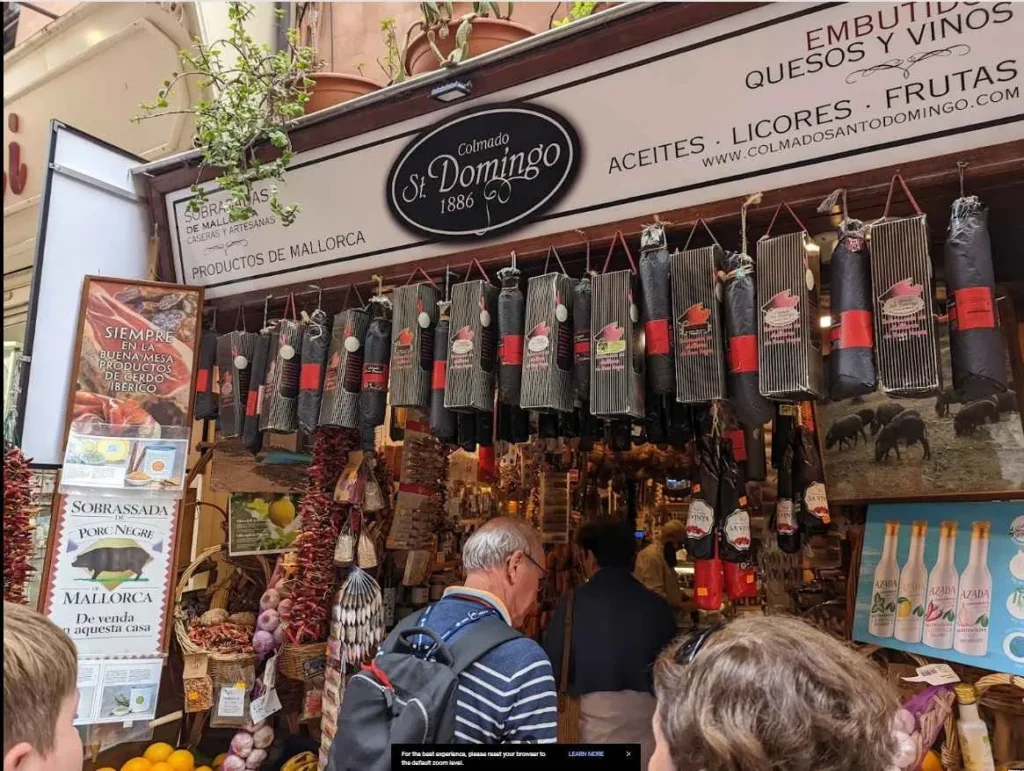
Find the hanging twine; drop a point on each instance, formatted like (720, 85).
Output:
(752, 200)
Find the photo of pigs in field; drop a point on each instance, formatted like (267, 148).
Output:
(879, 447)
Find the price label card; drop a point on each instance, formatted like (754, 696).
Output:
(934, 674)
(270, 673)
(265, 706)
(232, 701)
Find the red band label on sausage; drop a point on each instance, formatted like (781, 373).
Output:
(203, 380)
(375, 377)
(581, 346)
(251, 403)
(743, 354)
(510, 350)
(439, 378)
(658, 337)
(739, 444)
(974, 308)
(852, 329)
(309, 377)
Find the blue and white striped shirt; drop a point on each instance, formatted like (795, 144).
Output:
(509, 695)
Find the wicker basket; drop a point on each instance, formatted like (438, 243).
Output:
(292, 658)
(1002, 700)
(257, 568)
(893, 672)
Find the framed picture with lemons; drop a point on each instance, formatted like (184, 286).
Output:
(262, 523)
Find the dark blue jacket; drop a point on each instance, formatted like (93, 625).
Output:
(619, 628)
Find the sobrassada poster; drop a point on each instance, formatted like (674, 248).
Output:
(109, 581)
(131, 402)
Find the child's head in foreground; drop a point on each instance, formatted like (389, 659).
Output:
(40, 694)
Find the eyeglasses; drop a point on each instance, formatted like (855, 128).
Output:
(543, 572)
(693, 643)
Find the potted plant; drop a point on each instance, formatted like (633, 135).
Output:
(444, 41)
(577, 11)
(242, 131)
(329, 88)
(393, 65)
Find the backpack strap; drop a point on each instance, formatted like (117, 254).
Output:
(487, 634)
(409, 622)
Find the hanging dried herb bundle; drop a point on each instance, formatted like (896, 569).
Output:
(18, 527)
(321, 522)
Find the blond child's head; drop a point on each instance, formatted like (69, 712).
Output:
(40, 694)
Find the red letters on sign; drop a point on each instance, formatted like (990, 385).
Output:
(19, 171)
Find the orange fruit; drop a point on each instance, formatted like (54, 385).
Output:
(137, 764)
(931, 762)
(158, 752)
(204, 768)
(219, 760)
(181, 760)
(107, 768)
(162, 766)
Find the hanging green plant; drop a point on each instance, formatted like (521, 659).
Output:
(256, 94)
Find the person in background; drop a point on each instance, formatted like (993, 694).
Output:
(654, 571)
(40, 694)
(508, 695)
(618, 629)
(771, 692)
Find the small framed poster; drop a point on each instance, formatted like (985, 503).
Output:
(262, 523)
(130, 407)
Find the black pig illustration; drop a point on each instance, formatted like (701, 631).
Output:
(110, 555)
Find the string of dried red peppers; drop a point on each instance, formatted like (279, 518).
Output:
(321, 522)
(18, 510)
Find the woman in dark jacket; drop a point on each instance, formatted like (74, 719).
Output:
(618, 629)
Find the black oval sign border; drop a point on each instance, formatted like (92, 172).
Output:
(565, 184)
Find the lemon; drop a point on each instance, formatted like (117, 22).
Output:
(903, 609)
(204, 768)
(158, 752)
(137, 764)
(282, 512)
(181, 760)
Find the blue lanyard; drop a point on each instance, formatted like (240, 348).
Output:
(473, 615)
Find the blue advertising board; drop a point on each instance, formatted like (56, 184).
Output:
(945, 581)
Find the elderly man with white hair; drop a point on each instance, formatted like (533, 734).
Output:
(508, 695)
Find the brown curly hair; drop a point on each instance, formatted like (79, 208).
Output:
(773, 692)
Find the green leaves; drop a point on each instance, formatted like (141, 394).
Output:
(243, 129)
(982, 621)
(919, 611)
(949, 616)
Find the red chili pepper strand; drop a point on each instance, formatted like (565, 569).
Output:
(321, 518)
(18, 528)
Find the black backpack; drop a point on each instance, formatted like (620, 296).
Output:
(400, 698)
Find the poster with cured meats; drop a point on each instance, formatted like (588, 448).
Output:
(130, 410)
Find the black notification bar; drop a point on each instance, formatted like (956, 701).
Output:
(535, 757)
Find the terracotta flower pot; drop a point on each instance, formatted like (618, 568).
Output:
(487, 35)
(336, 87)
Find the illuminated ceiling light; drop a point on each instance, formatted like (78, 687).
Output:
(826, 322)
(94, 36)
(452, 91)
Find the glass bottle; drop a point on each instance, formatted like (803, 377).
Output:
(885, 586)
(974, 741)
(910, 604)
(940, 612)
(974, 598)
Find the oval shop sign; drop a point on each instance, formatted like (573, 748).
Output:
(483, 171)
